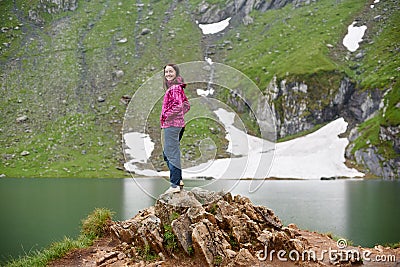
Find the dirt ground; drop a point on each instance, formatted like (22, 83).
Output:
(106, 251)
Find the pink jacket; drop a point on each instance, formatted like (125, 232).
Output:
(175, 106)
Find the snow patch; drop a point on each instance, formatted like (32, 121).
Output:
(316, 155)
(139, 150)
(213, 28)
(354, 37)
(207, 92)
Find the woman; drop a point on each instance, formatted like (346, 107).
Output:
(175, 106)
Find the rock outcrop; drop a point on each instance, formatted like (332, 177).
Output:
(51, 7)
(299, 106)
(209, 13)
(216, 227)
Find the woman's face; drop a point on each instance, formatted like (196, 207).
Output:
(169, 73)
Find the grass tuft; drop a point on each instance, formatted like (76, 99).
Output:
(93, 226)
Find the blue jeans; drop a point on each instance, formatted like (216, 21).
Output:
(172, 154)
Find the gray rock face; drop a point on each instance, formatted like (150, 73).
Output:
(296, 109)
(51, 7)
(240, 9)
(370, 157)
(299, 109)
(376, 164)
(213, 225)
(363, 104)
(56, 6)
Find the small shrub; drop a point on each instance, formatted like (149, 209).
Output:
(95, 224)
(392, 245)
(190, 251)
(146, 253)
(233, 242)
(169, 238)
(174, 215)
(218, 260)
(213, 209)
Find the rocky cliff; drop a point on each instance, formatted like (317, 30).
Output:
(300, 106)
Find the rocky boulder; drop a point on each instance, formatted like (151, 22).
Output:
(214, 226)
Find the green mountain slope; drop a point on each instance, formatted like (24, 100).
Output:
(64, 72)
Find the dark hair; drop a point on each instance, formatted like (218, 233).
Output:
(178, 79)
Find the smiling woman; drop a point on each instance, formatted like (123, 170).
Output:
(175, 106)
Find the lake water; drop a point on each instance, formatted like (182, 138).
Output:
(37, 212)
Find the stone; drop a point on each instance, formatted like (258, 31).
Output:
(209, 241)
(359, 55)
(23, 118)
(208, 13)
(145, 31)
(182, 229)
(122, 41)
(121, 256)
(106, 257)
(25, 153)
(297, 244)
(245, 258)
(265, 237)
(230, 253)
(118, 73)
(247, 20)
(125, 99)
(143, 230)
(205, 196)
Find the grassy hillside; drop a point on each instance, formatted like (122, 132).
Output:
(56, 73)
(65, 74)
(291, 41)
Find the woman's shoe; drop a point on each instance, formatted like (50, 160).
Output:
(172, 190)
